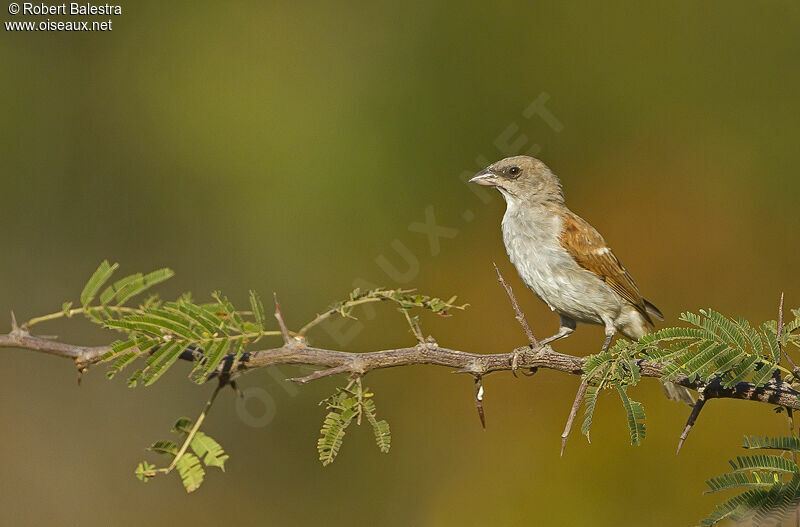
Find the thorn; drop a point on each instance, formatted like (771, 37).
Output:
(690, 422)
(779, 336)
(780, 321)
(14, 326)
(287, 337)
(320, 374)
(479, 400)
(518, 314)
(572, 413)
(235, 388)
(82, 369)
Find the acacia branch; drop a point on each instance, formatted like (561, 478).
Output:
(429, 353)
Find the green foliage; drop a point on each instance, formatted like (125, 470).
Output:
(203, 451)
(346, 405)
(787, 443)
(769, 484)
(635, 415)
(713, 348)
(163, 331)
(716, 347)
(145, 471)
(618, 368)
(589, 401)
(406, 300)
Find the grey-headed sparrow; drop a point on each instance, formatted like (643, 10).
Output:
(564, 260)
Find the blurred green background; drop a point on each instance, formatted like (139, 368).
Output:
(288, 146)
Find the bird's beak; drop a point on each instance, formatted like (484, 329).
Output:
(485, 178)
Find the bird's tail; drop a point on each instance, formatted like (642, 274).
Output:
(676, 392)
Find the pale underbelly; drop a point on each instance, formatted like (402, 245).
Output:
(565, 287)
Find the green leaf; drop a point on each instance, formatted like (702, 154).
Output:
(160, 361)
(764, 462)
(635, 414)
(120, 363)
(191, 471)
(589, 402)
(165, 447)
(233, 317)
(741, 371)
(383, 436)
(787, 443)
(763, 374)
(145, 471)
(213, 353)
(333, 430)
(258, 310)
(771, 337)
(100, 277)
(200, 316)
(737, 480)
(209, 450)
(182, 425)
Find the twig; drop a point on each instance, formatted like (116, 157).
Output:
(479, 400)
(195, 428)
(520, 316)
(320, 374)
(572, 413)
(300, 353)
(790, 418)
(287, 337)
(779, 336)
(698, 405)
(517, 311)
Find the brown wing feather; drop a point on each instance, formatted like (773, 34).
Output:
(591, 252)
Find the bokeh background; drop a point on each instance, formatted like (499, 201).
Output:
(288, 146)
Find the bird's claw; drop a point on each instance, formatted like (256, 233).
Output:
(514, 363)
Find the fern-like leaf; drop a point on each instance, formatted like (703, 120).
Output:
(383, 436)
(209, 450)
(589, 402)
(787, 443)
(635, 414)
(258, 310)
(191, 471)
(764, 462)
(333, 430)
(96, 281)
(738, 480)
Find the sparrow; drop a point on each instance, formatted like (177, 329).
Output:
(564, 260)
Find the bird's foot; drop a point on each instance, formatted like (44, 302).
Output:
(515, 361)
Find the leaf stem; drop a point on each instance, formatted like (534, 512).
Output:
(74, 311)
(327, 314)
(193, 431)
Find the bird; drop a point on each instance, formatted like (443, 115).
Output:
(564, 261)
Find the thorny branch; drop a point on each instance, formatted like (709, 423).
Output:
(532, 356)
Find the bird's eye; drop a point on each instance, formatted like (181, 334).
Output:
(513, 171)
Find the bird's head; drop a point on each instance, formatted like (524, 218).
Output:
(521, 179)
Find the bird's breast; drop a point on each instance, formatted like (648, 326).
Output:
(533, 246)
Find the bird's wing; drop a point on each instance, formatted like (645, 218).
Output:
(591, 252)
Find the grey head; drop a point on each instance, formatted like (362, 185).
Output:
(522, 179)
